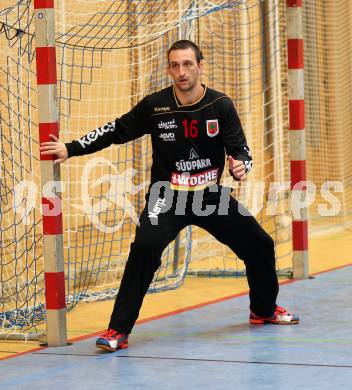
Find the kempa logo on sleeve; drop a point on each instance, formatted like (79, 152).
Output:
(248, 165)
(93, 135)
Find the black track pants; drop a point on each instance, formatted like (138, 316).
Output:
(241, 233)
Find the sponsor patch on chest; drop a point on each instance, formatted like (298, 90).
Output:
(167, 136)
(167, 125)
(199, 163)
(187, 182)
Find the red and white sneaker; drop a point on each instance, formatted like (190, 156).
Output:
(280, 317)
(112, 341)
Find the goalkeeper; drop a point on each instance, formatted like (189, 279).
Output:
(191, 128)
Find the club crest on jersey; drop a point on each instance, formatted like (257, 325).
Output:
(212, 127)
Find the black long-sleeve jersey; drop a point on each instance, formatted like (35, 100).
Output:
(189, 141)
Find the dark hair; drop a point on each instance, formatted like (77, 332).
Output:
(186, 44)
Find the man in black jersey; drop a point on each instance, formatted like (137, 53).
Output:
(191, 127)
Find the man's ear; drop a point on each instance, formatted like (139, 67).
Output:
(201, 66)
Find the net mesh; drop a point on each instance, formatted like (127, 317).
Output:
(110, 55)
(328, 77)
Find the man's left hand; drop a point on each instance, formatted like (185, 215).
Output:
(237, 168)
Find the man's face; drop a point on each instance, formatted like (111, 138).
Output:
(184, 69)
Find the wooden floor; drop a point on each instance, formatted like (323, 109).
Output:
(326, 252)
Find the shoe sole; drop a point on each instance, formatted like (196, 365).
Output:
(262, 322)
(109, 349)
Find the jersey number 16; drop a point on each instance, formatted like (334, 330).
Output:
(191, 128)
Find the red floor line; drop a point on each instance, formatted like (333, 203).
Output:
(22, 353)
(174, 312)
(170, 313)
(332, 269)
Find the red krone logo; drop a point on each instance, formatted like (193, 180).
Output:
(212, 127)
